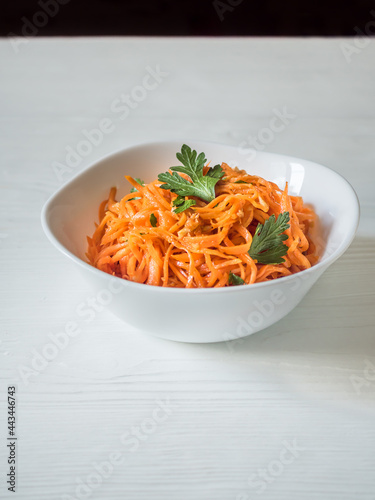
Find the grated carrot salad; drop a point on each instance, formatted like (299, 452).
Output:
(201, 246)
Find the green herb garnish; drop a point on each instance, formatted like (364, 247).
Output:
(267, 246)
(201, 186)
(142, 183)
(134, 190)
(153, 220)
(235, 280)
(181, 204)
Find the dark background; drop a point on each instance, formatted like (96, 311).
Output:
(189, 18)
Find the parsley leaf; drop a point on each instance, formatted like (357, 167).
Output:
(201, 186)
(181, 204)
(142, 183)
(235, 280)
(267, 246)
(134, 190)
(153, 220)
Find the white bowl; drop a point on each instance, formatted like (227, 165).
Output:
(200, 315)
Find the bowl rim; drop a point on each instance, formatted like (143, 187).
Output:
(319, 266)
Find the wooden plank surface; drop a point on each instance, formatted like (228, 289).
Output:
(285, 414)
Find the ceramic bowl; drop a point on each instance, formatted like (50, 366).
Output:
(200, 315)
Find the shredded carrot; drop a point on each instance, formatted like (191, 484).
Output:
(201, 246)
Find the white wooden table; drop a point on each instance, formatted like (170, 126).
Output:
(286, 414)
